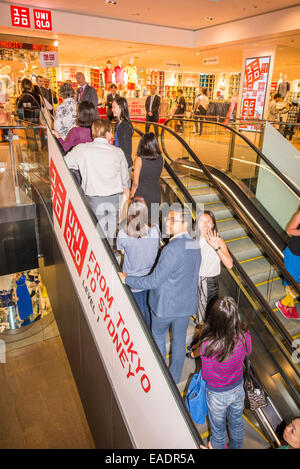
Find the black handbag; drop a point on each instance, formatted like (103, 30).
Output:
(255, 396)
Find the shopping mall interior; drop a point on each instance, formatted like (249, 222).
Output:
(91, 366)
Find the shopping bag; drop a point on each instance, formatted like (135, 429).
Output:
(255, 396)
(196, 400)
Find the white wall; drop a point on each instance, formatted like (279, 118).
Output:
(83, 25)
(270, 23)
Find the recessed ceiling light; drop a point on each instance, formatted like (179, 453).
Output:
(208, 18)
(110, 2)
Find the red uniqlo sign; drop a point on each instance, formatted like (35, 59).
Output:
(75, 238)
(20, 16)
(252, 72)
(42, 19)
(58, 193)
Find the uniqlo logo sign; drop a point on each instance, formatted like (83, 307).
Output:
(58, 193)
(42, 19)
(20, 16)
(252, 72)
(75, 238)
(248, 107)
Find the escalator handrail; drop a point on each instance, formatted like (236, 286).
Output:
(241, 271)
(165, 370)
(253, 147)
(206, 171)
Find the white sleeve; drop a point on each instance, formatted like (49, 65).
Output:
(72, 157)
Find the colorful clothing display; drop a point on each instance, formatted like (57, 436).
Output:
(24, 300)
(119, 74)
(108, 75)
(131, 73)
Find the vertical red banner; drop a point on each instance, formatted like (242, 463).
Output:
(20, 16)
(252, 72)
(75, 238)
(58, 193)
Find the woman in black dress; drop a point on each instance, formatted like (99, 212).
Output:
(124, 129)
(148, 166)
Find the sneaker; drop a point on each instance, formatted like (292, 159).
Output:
(287, 311)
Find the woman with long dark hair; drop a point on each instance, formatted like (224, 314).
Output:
(124, 129)
(213, 252)
(139, 242)
(82, 132)
(148, 166)
(223, 344)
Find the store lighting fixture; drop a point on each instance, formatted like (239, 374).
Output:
(110, 2)
(55, 43)
(208, 18)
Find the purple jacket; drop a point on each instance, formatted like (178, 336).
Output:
(75, 136)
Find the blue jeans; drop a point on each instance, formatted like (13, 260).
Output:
(218, 405)
(141, 297)
(160, 327)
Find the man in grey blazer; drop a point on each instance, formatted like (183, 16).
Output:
(86, 92)
(173, 288)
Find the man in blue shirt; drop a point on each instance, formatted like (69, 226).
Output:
(173, 289)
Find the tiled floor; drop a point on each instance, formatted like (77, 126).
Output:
(39, 403)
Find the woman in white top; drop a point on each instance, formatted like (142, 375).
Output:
(213, 252)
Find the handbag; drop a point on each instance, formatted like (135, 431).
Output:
(255, 396)
(196, 400)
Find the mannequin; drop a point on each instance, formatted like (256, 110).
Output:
(108, 72)
(119, 74)
(222, 87)
(131, 78)
(284, 88)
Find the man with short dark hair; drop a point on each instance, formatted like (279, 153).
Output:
(48, 95)
(181, 108)
(173, 286)
(109, 100)
(104, 171)
(152, 109)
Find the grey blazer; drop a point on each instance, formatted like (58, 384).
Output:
(89, 94)
(173, 284)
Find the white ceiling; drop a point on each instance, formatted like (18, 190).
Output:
(82, 50)
(188, 14)
(95, 52)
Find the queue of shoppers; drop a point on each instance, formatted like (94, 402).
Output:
(172, 283)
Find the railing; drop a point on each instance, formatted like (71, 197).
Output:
(260, 314)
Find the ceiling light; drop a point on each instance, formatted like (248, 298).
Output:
(208, 18)
(110, 2)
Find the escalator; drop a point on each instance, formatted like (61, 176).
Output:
(257, 266)
(241, 188)
(271, 342)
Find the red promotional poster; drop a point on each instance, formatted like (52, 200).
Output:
(75, 238)
(58, 193)
(20, 16)
(252, 72)
(254, 90)
(248, 108)
(42, 19)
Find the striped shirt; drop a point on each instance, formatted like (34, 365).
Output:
(226, 375)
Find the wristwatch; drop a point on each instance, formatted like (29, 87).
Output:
(217, 249)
